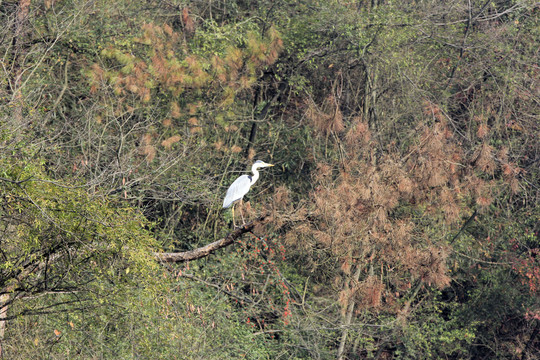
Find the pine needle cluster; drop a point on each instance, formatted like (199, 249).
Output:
(160, 68)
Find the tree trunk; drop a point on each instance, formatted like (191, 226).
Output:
(348, 314)
(4, 298)
(19, 33)
(261, 116)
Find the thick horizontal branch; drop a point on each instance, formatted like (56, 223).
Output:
(210, 248)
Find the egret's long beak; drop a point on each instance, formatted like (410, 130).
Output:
(267, 164)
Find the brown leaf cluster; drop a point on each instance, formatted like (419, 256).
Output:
(427, 264)
(187, 20)
(147, 148)
(170, 66)
(484, 159)
(371, 207)
(286, 210)
(433, 110)
(370, 293)
(328, 118)
(169, 142)
(358, 133)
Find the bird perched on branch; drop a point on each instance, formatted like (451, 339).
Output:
(241, 186)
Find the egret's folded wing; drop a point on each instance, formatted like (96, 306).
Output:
(237, 190)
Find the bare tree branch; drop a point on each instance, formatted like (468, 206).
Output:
(212, 247)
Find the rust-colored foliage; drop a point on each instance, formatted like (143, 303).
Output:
(147, 148)
(528, 268)
(189, 24)
(161, 68)
(167, 143)
(371, 211)
(328, 118)
(370, 293)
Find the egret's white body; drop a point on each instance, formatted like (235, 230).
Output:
(241, 186)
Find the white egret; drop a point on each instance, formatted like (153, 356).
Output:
(241, 186)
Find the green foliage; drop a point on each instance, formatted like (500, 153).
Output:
(64, 250)
(437, 335)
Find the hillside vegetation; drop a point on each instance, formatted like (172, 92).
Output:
(400, 220)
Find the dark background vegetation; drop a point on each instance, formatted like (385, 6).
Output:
(401, 218)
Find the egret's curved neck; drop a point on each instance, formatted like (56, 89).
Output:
(255, 176)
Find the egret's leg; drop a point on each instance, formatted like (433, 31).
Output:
(242, 212)
(234, 225)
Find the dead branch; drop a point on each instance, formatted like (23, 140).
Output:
(212, 247)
